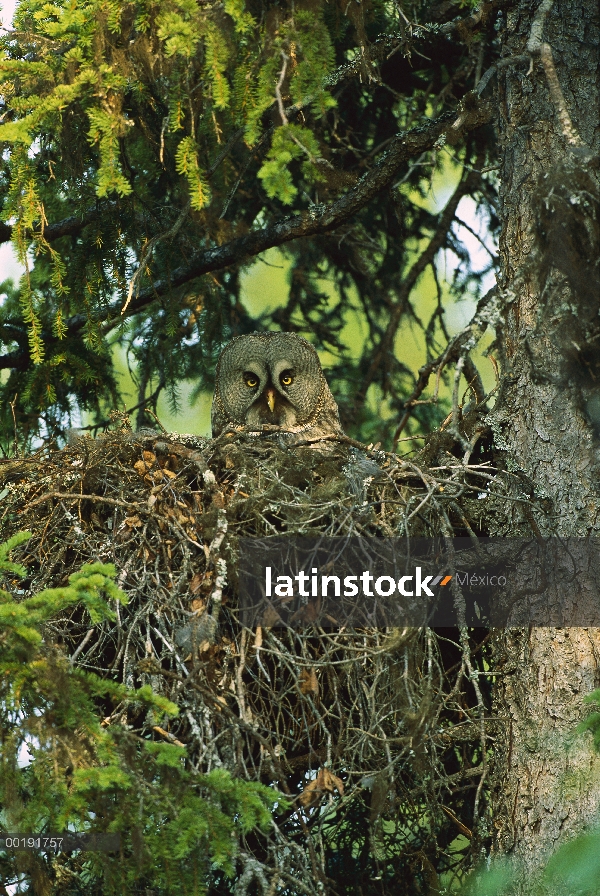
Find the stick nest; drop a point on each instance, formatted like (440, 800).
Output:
(376, 735)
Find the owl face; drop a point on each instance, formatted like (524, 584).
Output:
(270, 378)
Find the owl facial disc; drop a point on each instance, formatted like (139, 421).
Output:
(272, 379)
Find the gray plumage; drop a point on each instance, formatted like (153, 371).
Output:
(273, 380)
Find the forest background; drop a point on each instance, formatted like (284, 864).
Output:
(264, 290)
(150, 154)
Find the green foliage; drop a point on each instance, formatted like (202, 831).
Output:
(301, 52)
(494, 881)
(90, 771)
(186, 162)
(105, 129)
(6, 565)
(574, 869)
(150, 132)
(289, 143)
(592, 722)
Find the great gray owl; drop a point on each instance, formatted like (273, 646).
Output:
(273, 379)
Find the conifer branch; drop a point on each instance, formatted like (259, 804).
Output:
(381, 48)
(318, 218)
(18, 360)
(68, 226)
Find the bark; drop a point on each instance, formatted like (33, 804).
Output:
(548, 780)
(67, 227)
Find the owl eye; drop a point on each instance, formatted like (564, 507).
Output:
(286, 379)
(251, 380)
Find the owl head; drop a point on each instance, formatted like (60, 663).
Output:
(274, 379)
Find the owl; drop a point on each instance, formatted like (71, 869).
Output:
(273, 379)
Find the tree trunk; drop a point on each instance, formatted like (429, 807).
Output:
(547, 780)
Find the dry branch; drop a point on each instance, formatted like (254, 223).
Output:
(336, 719)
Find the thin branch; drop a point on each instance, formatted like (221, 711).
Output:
(567, 127)
(479, 16)
(66, 227)
(319, 218)
(146, 254)
(477, 237)
(534, 42)
(426, 258)
(459, 345)
(81, 646)
(278, 87)
(487, 76)
(536, 47)
(100, 499)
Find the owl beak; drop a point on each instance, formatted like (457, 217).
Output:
(271, 399)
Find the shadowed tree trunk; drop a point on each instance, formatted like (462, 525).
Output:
(548, 785)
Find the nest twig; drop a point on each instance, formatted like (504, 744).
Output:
(374, 734)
